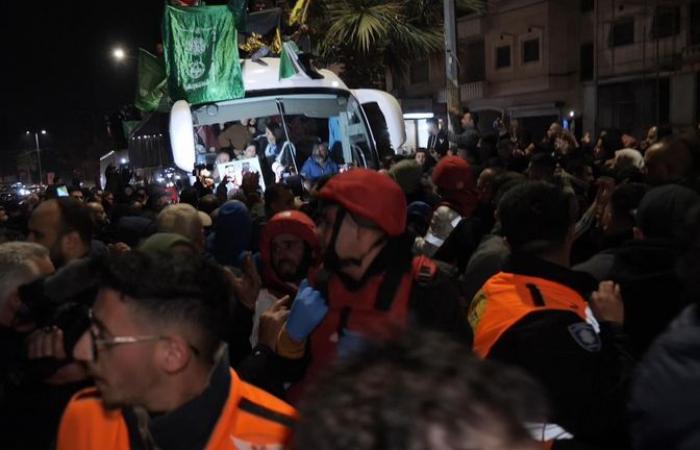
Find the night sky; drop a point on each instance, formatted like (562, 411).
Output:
(58, 72)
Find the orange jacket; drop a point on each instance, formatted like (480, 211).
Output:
(506, 298)
(251, 418)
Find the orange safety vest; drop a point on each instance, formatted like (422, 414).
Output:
(251, 418)
(506, 298)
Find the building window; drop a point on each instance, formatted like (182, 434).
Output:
(667, 21)
(587, 5)
(420, 72)
(695, 23)
(586, 68)
(622, 33)
(503, 57)
(472, 62)
(531, 51)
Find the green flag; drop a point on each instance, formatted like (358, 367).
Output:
(289, 60)
(201, 54)
(152, 83)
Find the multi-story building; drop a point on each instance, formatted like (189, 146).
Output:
(625, 64)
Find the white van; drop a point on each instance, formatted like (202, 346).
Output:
(360, 125)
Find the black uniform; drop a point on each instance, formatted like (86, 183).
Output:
(587, 381)
(664, 409)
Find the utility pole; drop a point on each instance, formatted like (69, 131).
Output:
(38, 152)
(452, 96)
(38, 157)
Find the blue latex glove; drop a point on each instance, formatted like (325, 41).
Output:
(308, 310)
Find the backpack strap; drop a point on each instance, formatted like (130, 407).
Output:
(424, 269)
(388, 288)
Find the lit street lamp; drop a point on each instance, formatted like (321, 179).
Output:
(119, 54)
(38, 151)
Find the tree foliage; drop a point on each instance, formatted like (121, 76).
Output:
(370, 36)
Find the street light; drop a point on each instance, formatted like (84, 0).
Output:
(38, 151)
(119, 54)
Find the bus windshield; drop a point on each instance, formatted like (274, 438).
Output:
(281, 130)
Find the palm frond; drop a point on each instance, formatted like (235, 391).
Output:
(418, 41)
(361, 23)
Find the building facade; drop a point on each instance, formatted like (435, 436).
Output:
(597, 64)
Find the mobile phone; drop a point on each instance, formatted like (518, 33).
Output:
(62, 191)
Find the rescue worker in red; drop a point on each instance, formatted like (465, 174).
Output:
(369, 286)
(536, 314)
(454, 231)
(154, 349)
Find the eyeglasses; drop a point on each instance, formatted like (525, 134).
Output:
(98, 341)
(106, 343)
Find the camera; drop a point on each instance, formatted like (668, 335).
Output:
(62, 300)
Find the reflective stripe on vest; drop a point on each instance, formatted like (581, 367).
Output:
(506, 298)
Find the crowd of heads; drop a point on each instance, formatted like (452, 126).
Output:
(170, 267)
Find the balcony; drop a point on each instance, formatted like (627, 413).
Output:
(472, 91)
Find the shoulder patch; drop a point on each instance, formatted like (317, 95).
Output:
(585, 336)
(266, 413)
(476, 309)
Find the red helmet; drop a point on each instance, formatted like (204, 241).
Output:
(295, 223)
(453, 173)
(370, 195)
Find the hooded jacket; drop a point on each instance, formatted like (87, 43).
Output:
(287, 222)
(233, 230)
(665, 396)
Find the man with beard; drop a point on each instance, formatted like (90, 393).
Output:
(64, 227)
(289, 249)
(155, 350)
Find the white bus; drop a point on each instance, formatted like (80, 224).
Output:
(360, 125)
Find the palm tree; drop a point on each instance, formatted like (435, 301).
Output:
(371, 35)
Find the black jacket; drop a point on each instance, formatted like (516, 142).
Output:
(30, 410)
(461, 244)
(587, 385)
(664, 411)
(651, 290)
(467, 138)
(486, 261)
(439, 143)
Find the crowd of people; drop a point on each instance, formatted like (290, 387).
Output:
(489, 291)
